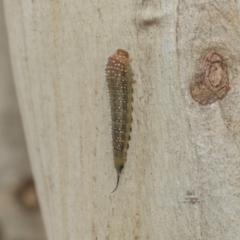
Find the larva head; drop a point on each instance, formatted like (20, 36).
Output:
(116, 65)
(121, 56)
(122, 52)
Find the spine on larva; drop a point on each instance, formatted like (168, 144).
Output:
(119, 81)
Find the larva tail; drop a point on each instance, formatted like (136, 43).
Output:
(118, 177)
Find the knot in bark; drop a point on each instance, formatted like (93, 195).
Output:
(213, 83)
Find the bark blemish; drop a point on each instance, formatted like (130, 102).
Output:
(27, 195)
(213, 83)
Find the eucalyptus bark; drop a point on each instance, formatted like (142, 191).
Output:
(181, 178)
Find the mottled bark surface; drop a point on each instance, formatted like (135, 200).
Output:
(181, 180)
(19, 213)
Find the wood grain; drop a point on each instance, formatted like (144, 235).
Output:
(18, 219)
(183, 178)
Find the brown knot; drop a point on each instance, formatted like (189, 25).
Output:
(213, 83)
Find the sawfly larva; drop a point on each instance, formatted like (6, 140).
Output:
(119, 80)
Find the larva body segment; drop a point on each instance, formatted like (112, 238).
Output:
(119, 80)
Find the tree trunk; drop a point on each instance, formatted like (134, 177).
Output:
(181, 178)
(19, 213)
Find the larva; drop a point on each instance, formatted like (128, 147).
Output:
(119, 80)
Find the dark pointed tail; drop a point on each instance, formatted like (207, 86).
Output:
(118, 177)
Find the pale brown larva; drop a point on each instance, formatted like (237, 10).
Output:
(119, 80)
